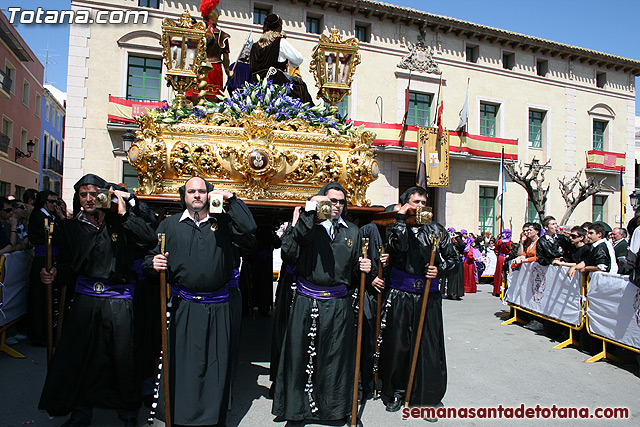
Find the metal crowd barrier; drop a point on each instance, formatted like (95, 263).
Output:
(606, 305)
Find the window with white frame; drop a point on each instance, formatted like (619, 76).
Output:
(599, 131)
(26, 89)
(47, 110)
(23, 140)
(536, 128)
(7, 130)
(489, 119)
(10, 72)
(38, 104)
(36, 148)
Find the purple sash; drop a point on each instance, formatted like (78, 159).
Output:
(291, 269)
(234, 282)
(310, 290)
(221, 295)
(404, 281)
(41, 250)
(103, 288)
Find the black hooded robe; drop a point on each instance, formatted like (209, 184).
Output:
(201, 259)
(93, 364)
(328, 263)
(410, 252)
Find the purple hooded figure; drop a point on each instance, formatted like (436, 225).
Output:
(451, 230)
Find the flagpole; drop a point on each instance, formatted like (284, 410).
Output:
(623, 201)
(501, 188)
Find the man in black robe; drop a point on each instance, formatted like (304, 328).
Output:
(93, 365)
(410, 251)
(316, 366)
(200, 260)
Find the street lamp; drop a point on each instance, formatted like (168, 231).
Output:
(634, 198)
(29, 152)
(333, 66)
(183, 50)
(127, 140)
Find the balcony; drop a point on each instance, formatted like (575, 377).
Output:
(53, 165)
(4, 142)
(605, 161)
(5, 85)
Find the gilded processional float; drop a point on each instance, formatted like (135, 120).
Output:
(257, 141)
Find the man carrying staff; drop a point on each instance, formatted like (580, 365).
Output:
(316, 366)
(93, 365)
(199, 261)
(410, 251)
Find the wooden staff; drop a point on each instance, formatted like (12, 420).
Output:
(165, 341)
(378, 320)
(48, 230)
(423, 311)
(354, 401)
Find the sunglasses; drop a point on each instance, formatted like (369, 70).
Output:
(338, 201)
(53, 202)
(574, 236)
(21, 207)
(84, 194)
(8, 210)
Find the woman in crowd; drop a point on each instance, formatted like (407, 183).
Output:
(469, 267)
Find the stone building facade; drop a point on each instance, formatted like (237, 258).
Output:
(549, 101)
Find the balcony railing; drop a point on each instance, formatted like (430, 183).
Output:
(4, 142)
(5, 81)
(54, 165)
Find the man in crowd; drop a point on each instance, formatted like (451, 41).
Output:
(620, 246)
(199, 260)
(316, 366)
(410, 250)
(5, 227)
(47, 207)
(93, 364)
(579, 250)
(601, 257)
(552, 245)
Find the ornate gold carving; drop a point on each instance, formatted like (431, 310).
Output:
(316, 167)
(200, 160)
(360, 167)
(254, 156)
(148, 155)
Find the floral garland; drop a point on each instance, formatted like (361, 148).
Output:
(273, 99)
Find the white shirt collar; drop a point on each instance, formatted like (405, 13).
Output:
(46, 212)
(186, 215)
(327, 224)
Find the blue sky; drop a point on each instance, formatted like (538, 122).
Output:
(609, 26)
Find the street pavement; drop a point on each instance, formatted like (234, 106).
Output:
(489, 364)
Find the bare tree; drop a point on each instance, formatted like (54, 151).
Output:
(532, 180)
(585, 190)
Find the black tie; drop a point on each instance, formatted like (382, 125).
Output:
(334, 228)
